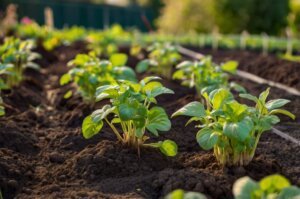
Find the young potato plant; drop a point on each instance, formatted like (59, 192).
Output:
(132, 111)
(273, 186)
(181, 194)
(90, 72)
(232, 129)
(162, 58)
(206, 76)
(15, 57)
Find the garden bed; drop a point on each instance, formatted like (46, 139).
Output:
(43, 154)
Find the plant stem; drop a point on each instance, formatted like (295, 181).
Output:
(114, 130)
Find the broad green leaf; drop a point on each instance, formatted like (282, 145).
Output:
(158, 120)
(125, 73)
(238, 130)
(274, 182)
(159, 91)
(207, 138)
(230, 66)
(284, 112)
(249, 97)
(149, 79)
(102, 113)
(237, 87)
(220, 97)
(2, 111)
(193, 109)
(264, 95)
(177, 194)
(277, 103)
(126, 112)
(291, 192)
(267, 122)
(180, 194)
(68, 94)
(66, 78)
(90, 128)
(184, 64)
(179, 74)
(244, 188)
(144, 65)
(235, 110)
(169, 148)
(118, 59)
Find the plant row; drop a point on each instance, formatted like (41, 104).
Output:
(51, 38)
(230, 128)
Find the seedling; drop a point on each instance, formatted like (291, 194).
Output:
(181, 194)
(232, 129)
(15, 57)
(131, 107)
(206, 76)
(90, 72)
(162, 58)
(273, 186)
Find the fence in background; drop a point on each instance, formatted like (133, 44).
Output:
(67, 13)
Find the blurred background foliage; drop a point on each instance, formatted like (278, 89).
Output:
(272, 17)
(229, 16)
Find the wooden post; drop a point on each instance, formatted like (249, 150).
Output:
(289, 44)
(243, 40)
(215, 38)
(265, 44)
(49, 22)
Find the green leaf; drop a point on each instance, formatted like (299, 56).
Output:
(284, 112)
(68, 94)
(238, 130)
(193, 109)
(118, 59)
(266, 122)
(277, 103)
(159, 91)
(168, 147)
(102, 113)
(207, 138)
(149, 79)
(249, 97)
(66, 78)
(274, 182)
(291, 192)
(184, 64)
(90, 128)
(125, 73)
(230, 66)
(144, 65)
(220, 97)
(126, 112)
(264, 95)
(2, 111)
(244, 188)
(177, 194)
(158, 120)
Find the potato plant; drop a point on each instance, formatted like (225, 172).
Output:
(206, 76)
(90, 72)
(233, 129)
(130, 106)
(15, 57)
(273, 186)
(162, 58)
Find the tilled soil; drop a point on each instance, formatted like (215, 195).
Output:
(43, 154)
(270, 67)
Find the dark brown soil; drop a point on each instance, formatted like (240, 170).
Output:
(269, 67)
(43, 154)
